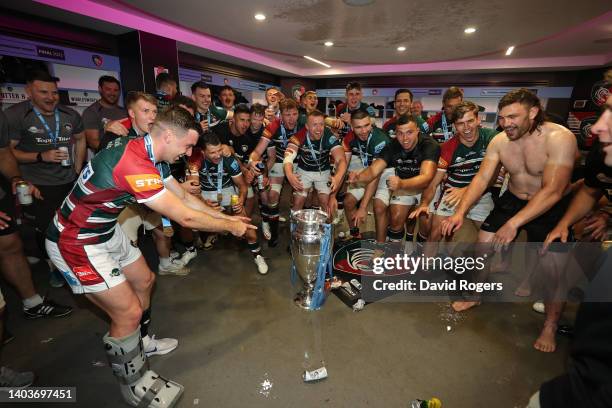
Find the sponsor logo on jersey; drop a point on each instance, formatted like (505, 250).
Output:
(34, 129)
(145, 182)
(378, 148)
(86, 275)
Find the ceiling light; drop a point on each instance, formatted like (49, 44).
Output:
(260, 17)
(328, 43)
(470, 30)
(509, 50)
(317, 61)
(401, 48)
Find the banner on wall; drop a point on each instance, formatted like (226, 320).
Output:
(17, 47)
(82, 98)
(190, 76)
(12, 93)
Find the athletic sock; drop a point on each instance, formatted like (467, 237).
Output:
(165, 261)
(255, 248)
(421, 238)
(32, 301)
(409, 236)
(395, 236)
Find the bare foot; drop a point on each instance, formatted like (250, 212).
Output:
(524, 289)
(547, 343)
(461, 305)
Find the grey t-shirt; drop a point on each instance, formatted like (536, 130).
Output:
(96, 116)
(32, 136)
(4, 142)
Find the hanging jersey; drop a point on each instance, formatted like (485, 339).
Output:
(460, 162)
(122, 174)
(313, 155)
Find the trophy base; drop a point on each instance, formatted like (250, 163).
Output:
(303, 300)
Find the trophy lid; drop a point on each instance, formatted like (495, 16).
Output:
(310, 216)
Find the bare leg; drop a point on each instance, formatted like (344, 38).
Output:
(14, 266)
(482, 248)
(381, 219)
(123, 307)
(350, 206)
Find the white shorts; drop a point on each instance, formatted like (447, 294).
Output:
(479, 211)
(227, 192)
(356, 190)
(277, 170)
(399, 197)
(93, 268)
(135, 216)
(313, 179)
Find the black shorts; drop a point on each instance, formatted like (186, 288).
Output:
(7, 205)
(537, 229)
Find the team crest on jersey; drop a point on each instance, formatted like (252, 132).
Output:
(68, 127)
(245, 148)
(115, 272)
(145, 182)
(34, 129)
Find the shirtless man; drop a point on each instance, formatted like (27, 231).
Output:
(539, 156)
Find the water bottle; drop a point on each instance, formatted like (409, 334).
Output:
(260, 178)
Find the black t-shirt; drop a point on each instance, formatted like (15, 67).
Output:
(408, 163)
(597, 174)
(242, 145)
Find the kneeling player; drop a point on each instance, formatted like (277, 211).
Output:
(220, 178)
(414, 157)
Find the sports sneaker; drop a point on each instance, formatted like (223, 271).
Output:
(209, 242)
(153, 346)
(47, 308)
(174, 254)
(17, 379)
(265, 230)
(262, 266)
(188, 255)
(176, 267)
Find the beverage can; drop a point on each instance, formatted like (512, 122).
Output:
(220, 198)
(24, 195)
(315, 375)
(66, 162)
(235, 199)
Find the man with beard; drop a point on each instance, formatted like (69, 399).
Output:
(539, 157)
(101, 112)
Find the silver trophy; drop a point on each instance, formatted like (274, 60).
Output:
(307, 240)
